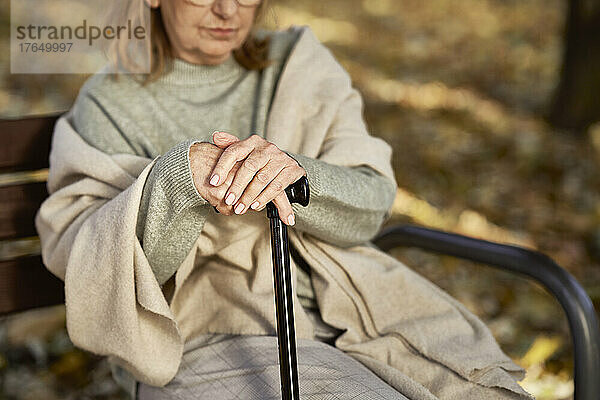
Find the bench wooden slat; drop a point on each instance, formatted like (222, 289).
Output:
(26, 143)
(18, 206)
(25, 283)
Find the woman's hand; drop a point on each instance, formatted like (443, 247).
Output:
(264, 173)
(203, 158)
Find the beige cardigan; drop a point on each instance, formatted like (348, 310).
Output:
(115, 307)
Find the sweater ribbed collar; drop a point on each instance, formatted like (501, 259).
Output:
(181, 72)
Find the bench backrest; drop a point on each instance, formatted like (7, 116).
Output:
(24, 281)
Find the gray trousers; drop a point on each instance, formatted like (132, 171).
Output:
(228, 367)
(247, 367)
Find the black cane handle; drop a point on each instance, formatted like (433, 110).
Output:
(299, 192)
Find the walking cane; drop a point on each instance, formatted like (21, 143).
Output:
(299, 193)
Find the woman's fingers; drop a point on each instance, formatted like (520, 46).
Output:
(224, 139)
(254, 175)
(275, 188)
(217, 193)
(284, 208)
(233, 153)
(257, 184)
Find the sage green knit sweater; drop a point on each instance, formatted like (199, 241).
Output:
(164, 118)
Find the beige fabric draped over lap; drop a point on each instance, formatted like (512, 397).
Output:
(116, 308)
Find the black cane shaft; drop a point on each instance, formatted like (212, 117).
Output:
(284, 309)
(299, 193)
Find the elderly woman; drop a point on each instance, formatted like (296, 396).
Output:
(158, 230)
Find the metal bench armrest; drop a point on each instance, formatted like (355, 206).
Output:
(583, 321)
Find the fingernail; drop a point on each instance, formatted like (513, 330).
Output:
(291, 220)
(230, 199)
(255, 205)
(214, 180)
(239, 208)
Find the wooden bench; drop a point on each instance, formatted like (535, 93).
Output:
(25, 283)
(24, 147)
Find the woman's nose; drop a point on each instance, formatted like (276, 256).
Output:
(225, 8)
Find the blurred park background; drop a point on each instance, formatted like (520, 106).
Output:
(489, 106)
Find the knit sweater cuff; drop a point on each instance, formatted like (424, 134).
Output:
(174, 175)
(335, 182)
(347, 205)
(172, 212)
(314, 171)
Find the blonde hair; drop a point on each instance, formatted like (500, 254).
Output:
(157, 53)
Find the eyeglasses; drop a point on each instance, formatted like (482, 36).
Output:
(244, 3)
